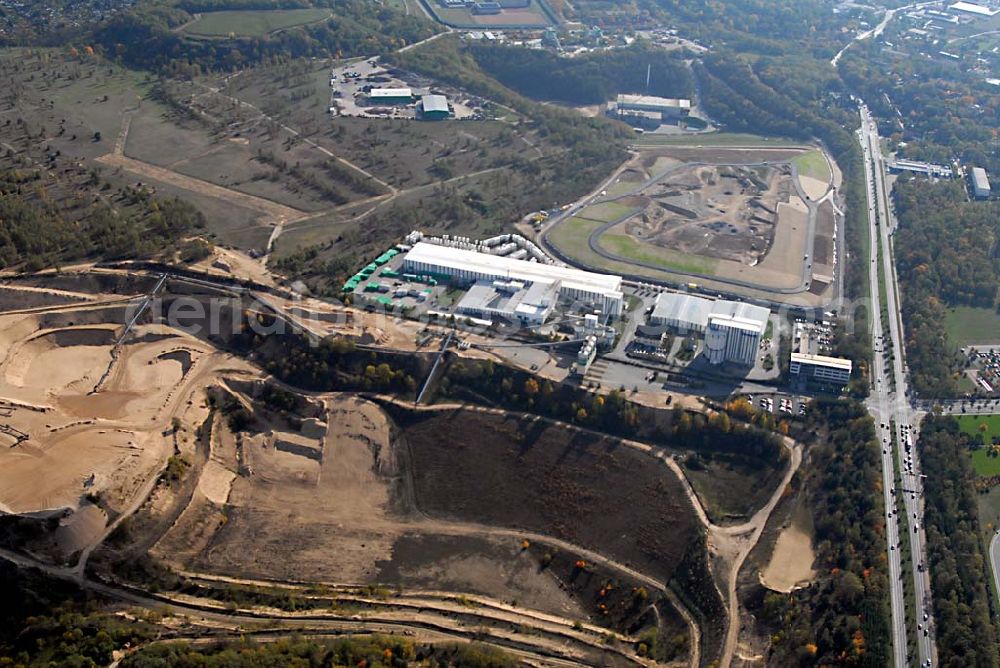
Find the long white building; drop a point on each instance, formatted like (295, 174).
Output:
(732, 330)
(468, 266)
(667, 106)
(980, 183)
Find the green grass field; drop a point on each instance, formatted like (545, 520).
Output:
(570, 236)
(967, 325)
(626, 246)
(713, 139)
(813, 164)
(252, 22)
(970, 424)
(606, 211)
(982, 462)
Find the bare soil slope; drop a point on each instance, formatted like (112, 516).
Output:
(521, 473)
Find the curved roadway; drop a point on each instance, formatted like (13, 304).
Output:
(593, 240)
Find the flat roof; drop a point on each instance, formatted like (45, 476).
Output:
(692, 309)
(390, 92)
(979, 178)
(682, 307)
(973, 8)
(822, 360)
(736, 322)
(652, 100)
(459, 258)
(434, 103)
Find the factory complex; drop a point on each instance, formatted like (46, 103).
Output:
(732, 330)
(648, 110)
(510, 274)
(506, 285)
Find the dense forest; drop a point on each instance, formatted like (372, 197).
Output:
(38, 231)
(960, 582)
(46, 622)
(145, 37)
(945, 257)
(843, 618)
(587, 79)
(948, 110)
(752, 26)
(369, 651)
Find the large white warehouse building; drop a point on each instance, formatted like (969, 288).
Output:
(468, 266)
(732, 330)
(980, 183)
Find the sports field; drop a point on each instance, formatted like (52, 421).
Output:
(252, 22)
(531, 16)
(968, 325)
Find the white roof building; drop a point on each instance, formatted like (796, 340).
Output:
(689, 312)
(389, 93)
(666, 106)
(470, 266)
(733, 330)
(972, 8)
(434, 103)
(681, 311)
(980, 183)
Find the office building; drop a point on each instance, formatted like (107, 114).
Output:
(822, 369)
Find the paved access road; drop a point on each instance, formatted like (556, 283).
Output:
(892, 410)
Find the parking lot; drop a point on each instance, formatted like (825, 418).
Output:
(781, 405)
(984, 369)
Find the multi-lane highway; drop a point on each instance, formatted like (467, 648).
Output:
(891, 408)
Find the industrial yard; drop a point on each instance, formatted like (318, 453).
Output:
(366, 89)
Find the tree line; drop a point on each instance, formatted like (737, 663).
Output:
(39, 232)
(843, 617)
(592, 78)
(945, 257)
(964, 622)
(146, 36)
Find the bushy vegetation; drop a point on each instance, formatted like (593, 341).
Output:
(611, 413)
(587, 79)
(965, 627)
(372, 651)
(843, 617)
(145, 37)
(944, 254)
(46, 622)
(39, 231)
(950, 112)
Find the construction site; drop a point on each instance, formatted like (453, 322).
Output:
(138, 443)
(750, 221)
(722, 212)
